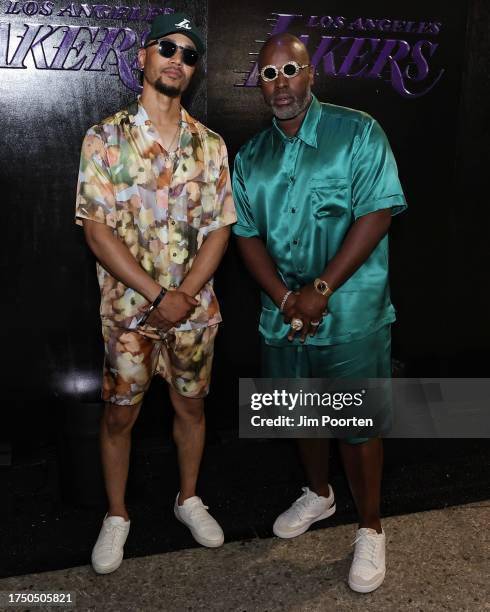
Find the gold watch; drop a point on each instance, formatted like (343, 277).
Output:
(322, 287)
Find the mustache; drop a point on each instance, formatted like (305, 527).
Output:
(282, 94)
(178, 70)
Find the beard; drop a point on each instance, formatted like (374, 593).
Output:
(167, 90)
(298, 105)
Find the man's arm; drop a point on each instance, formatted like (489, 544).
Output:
(217, 229)
(376, 196)
(117, 259)
(261, 266)
(251, 246)
(360, 241)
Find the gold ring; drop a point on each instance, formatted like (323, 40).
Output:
(297, 324)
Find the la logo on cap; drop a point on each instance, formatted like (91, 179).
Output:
(185, 24)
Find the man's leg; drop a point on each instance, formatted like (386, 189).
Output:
(189, 432)
(294, 362)
(185, 363)
(363, 465)
(314, 458)
(115, 444)
(130, 359)
(369, 357)
(317, 501)
(128, 367)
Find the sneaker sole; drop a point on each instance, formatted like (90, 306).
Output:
(106, 569)
(199, 539)
(358, 588)
(300, 530)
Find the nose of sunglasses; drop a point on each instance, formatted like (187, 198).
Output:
(169, 49)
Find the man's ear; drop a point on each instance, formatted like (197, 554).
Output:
(141, 58)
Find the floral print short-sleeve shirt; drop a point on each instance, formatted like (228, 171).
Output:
(162, 207)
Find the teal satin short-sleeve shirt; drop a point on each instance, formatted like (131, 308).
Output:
(301, 195)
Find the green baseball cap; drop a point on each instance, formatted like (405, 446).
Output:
(176, 23)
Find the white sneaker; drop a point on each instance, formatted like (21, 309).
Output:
(107, 554)
(368, 567)
(305, 511)
(195, 515)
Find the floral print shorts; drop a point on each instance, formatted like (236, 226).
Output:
(182, 358)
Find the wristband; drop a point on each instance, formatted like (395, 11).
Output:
(284, 300)
(152, 307)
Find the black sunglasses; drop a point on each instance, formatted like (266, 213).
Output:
(168, 48)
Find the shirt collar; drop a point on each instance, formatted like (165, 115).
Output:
(308, 130)
(139, 118)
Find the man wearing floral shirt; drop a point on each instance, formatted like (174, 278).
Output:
(155, 202)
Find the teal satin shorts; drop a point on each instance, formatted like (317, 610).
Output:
(369, 357)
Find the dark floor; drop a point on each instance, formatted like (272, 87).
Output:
(246, 483)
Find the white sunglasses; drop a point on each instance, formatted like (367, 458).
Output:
(289, 70)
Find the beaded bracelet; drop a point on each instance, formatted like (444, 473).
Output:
(284, 300)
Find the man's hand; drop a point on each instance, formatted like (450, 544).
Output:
(289, 308)
(307, 305)
(175, 308)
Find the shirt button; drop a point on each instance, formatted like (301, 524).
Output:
(173, 285)
(291, 179)
(172, 222)
(293, 210)
(295, 242)
(174, 254)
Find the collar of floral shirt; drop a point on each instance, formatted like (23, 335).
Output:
(139, 118)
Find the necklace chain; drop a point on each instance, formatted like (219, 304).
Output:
(171, 153)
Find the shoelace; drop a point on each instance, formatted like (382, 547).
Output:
(199, 511)
(115, 532)
(301, 505)
(366, 549)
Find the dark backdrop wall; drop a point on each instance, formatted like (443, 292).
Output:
(419, 68)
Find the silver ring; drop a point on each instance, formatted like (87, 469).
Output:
(315, 323)
(297, 324)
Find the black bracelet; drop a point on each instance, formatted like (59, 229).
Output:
(152, 307)
(159, 298)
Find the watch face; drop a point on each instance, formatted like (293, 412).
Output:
(322, 287)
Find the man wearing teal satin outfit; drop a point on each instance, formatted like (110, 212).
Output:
(315, 194)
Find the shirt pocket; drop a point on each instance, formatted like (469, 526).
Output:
(190, 202)
(330, 197)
